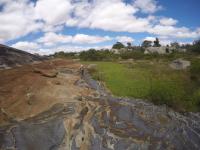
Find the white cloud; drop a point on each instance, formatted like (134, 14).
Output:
(185, 43)
(22, 17)
(149, 38)
(172, 31)
(120, 17)
(69, 48)
(168, 21)
(27, 46)
(16, 20)
(53, 12)
(51, 38)
(147, 6)
(112, 15)
(89, 39)
(163, 40)
(51, 28)
(124, 39)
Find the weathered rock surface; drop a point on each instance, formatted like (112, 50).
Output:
(11, 57)
(84, 116)
(158, 50)
(46, 73)
(180, 64)
(92, 67)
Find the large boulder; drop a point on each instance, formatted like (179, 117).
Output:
(92, 67)
(46, 73)
(115, 51)
(180, 64)
(158, 50)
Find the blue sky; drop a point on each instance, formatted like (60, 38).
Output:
(47, 26)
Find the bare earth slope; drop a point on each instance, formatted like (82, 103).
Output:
(48, 106)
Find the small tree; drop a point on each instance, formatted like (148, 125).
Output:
(157, 43)
(129, 45)
(146, 43)
(118, 45)
(175, 45)
(167, 49)
(196, 46)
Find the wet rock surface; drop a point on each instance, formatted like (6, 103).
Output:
(100, 121)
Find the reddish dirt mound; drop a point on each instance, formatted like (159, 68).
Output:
(25, 92)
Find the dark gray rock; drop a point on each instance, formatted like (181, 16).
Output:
(11, 57)
(44, 136)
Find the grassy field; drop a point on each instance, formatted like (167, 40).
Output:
(150, 79)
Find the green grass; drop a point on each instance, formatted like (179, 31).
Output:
(152, 80)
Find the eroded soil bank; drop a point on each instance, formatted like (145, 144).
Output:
(49, 106)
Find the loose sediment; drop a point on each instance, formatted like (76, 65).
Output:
(100, 121)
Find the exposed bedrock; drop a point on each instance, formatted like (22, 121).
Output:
(99, 121)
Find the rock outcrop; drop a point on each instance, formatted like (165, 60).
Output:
(11, 57)
(158, 50)
(180, 64)
(78, 113)
(46, 73)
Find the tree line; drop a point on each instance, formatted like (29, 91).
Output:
(128, 51)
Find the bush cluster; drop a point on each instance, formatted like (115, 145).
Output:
(195, 72)
(97, 55)
(195, 47)
(62, 54)
(166, 93)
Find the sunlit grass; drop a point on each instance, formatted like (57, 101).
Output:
(146, 79)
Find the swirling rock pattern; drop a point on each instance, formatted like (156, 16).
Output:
(88, 117)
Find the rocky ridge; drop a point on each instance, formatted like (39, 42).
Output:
(11, 57)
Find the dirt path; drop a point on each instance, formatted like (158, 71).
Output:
(48, 106)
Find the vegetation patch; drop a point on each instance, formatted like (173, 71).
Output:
(162, 74)
(152, 80)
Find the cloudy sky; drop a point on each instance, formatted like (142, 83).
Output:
(47, 26)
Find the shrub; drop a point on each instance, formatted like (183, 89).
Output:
(195, 71)
(146, 43)
(196, 46)
(97, 75)
(196, 99)
(132, 54)
(153, 56)
(97, 55)
(166, 93)
(118, 45)
(195, 67)
(159, 94)
(91, 55)
(65, 54)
